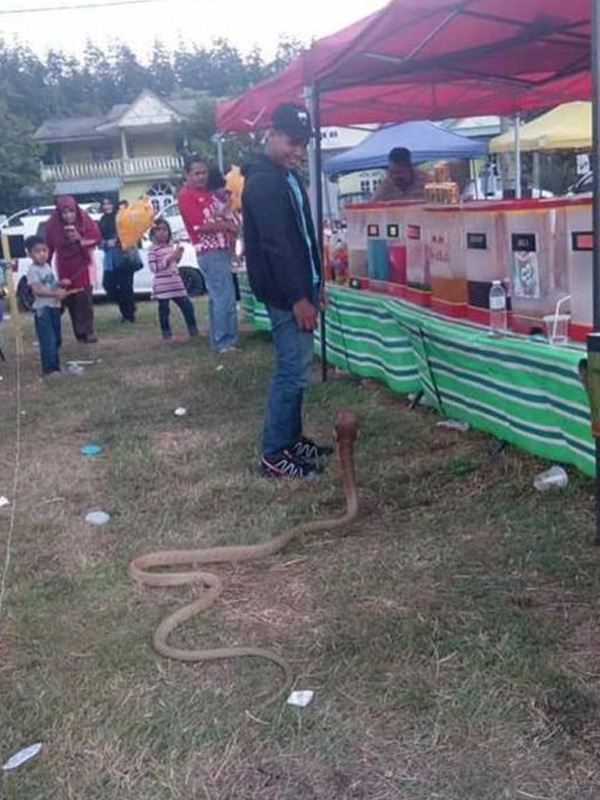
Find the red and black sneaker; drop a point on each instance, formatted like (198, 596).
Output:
(308, 450)
(285, 465)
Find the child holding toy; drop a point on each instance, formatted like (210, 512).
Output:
(163, 259)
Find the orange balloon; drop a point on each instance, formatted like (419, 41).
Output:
(133, 222)
(234, 182)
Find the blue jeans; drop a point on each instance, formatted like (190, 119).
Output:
(186, 307)
(222, 313)
(293, 358)
(47, 328)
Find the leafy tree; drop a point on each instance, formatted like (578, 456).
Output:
(255, 68)
(198, 130)
(19, 160)
(227, 73)
(191, 68)
(33, 90)
(100, 70)
(22, 81)
(131, 78)
(288, 49)
(162, 75)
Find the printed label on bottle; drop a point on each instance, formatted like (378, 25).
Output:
(497, 303)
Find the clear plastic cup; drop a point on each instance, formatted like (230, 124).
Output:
(557, 327)
(554, 478)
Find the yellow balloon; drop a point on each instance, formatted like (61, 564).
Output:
(234, 182)
(133, 222)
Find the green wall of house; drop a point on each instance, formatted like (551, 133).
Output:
(134, 190)
(140, 145)
(77, 152)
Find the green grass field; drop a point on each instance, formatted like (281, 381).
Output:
(451, 636)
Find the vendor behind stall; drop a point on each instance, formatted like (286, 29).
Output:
(403, 181)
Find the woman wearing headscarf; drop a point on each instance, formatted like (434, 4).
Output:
(71, 235)
(110, 243)
(118, 269)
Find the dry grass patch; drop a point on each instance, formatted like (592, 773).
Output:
(449, 635)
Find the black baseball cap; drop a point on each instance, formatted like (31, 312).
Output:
(294, 121)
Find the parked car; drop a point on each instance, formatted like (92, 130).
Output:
(31, 221)
(188, 266)
(584, 185)
(27, 223)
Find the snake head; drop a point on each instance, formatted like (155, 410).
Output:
(346, 426)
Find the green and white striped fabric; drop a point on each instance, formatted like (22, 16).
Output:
(524, 392)
(254, 312)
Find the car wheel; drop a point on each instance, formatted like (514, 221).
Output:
(193, 281)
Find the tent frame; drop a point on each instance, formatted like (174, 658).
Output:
(529, 29)
(532, 33)
(596, 216)
(437, 71)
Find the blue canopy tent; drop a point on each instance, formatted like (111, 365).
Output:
(425, 141)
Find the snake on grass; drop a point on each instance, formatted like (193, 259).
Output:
(145, 569)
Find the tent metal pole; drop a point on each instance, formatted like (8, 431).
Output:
(220, 158)
(596, 217)
(518, 189)
(312, 156)
(316, 99)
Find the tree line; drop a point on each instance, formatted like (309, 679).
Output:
(33, 89)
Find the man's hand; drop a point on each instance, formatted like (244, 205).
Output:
(306, 315)
(231, 227)
(60, 294)
(65, 283)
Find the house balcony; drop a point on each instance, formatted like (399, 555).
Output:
(120, 168)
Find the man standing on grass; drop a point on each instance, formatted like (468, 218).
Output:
(284, 269)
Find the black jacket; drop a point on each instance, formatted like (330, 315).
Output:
(277, 254)
(108, 226)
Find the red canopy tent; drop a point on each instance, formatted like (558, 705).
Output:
(418, 59)
(432, 59)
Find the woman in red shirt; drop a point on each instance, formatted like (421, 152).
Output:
(210, 234)
(72, 234)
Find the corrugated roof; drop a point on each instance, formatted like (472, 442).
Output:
(56, 130)
(183, 107)
(116, 112)
(68, 129)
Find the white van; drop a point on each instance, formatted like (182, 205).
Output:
(31, 221)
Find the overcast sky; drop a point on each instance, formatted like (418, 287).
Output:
(244, 22)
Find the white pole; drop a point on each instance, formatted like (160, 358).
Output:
(124, 150)
(220, 159)
(518, 192)
(537, 171)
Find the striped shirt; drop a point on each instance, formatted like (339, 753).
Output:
(167, 280)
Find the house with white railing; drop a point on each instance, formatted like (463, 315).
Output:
(133, 150)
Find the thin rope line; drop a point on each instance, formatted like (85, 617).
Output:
(15, 486)
(75, 6)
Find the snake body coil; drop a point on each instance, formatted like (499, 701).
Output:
(143, 569)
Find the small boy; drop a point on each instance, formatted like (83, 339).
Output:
(49, 294)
